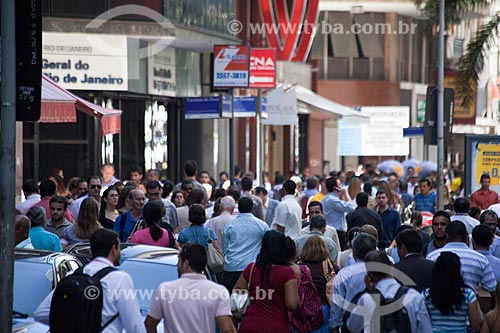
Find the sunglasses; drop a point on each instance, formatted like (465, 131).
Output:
(95, 186)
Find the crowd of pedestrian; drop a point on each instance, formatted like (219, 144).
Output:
(346, 244)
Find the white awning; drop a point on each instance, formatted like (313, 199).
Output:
(324, 105)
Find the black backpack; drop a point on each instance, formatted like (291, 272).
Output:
(398, 321)
(347, 312)
(77, 303)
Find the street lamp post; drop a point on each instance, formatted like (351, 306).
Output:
(440, 106)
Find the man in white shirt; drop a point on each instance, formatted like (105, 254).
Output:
(206, 305)
(288, 214)
(218, 223)
(32, 194)
(461, 207)
(117, 286)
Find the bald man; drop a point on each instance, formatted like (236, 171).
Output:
(370, 230)
(22, 226)
(125, 223)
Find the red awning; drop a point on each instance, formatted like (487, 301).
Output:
(58, 106)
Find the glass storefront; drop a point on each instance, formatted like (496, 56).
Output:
(207, 15)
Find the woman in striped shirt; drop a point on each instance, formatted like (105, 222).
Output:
(449, 300)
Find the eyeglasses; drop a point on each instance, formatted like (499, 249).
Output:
(95, 186)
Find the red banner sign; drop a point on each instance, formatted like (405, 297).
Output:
(262, 68)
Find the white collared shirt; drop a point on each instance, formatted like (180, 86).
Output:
(31, 200)
(118, 297)
(288, 214)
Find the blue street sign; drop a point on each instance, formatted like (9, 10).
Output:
(413, 131)
(201, 108)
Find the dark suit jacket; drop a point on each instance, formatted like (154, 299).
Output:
(365, 215)
(418, 269)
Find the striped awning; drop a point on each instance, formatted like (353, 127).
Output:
(59, 106)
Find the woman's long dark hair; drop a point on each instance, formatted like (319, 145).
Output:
(272, 252)
(447, 283)
(152, 215)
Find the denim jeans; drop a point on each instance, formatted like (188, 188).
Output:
(326, 318)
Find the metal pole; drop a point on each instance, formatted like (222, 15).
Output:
(121, 174)
(440, 106)
(258, 141)
(8, 162)
(231, 139)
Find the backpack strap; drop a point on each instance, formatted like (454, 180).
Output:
(99, 275)
(401, 292)
(103, 272)
(109, 322)
(79, 271)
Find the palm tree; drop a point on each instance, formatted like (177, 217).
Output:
(472, 62)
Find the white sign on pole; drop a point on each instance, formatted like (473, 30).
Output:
(281, 107)
(381, 136)
(86, 61)
(231, 66)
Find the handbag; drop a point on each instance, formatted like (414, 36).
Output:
(137, 226)
(215, 260)
(240, 300)
(329, 273)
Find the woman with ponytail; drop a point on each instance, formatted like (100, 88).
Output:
(449, 300)
(153, 234)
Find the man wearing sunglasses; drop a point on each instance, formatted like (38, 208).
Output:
(94, 191)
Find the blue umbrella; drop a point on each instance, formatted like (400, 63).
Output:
(391, 166)
(410, 163)
(426, 168)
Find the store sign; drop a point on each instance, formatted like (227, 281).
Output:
(482, 156)
(381, 136)
(231, 66)
(161, 73)
(281, 107)
(86, 61)
(291, 34)
(262, 68)
(461, 114)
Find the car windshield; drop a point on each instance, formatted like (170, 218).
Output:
(32, 283)
(147, 277)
